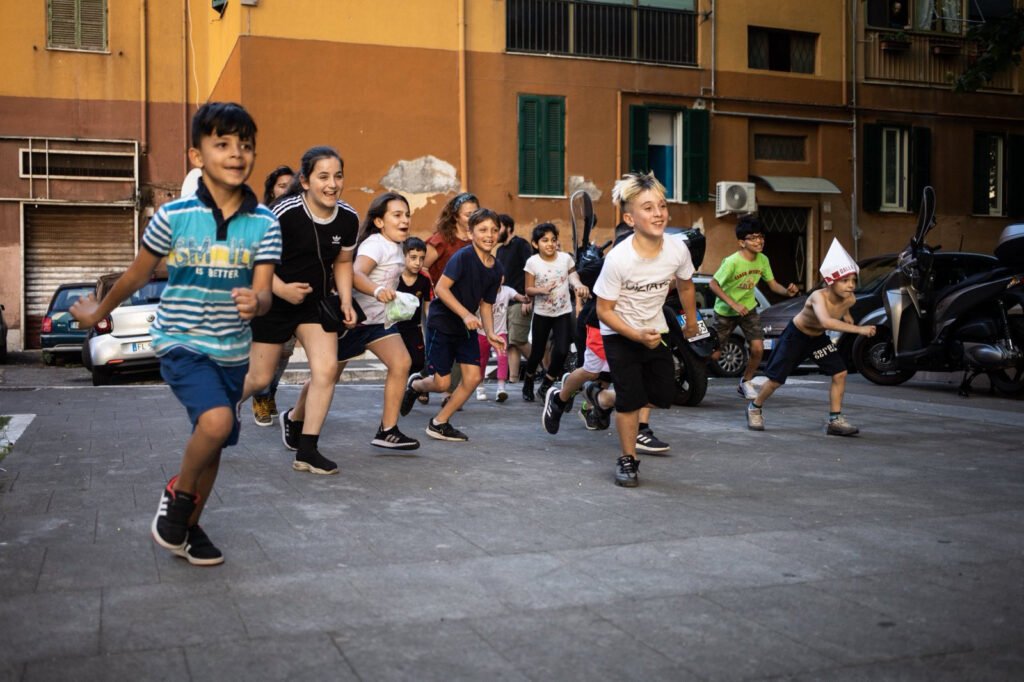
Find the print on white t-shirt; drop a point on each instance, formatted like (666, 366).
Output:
(545, 273)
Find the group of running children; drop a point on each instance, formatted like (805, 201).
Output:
(245, 281)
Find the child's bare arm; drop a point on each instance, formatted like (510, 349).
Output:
(487, 317)
(443, 291)
(577, 285)
(791, 290)
(343, 280)
(255, 301)
(88, 311)
(606, 313)
(688, 297)
(827, 321)
(716, 289)
(531, 287)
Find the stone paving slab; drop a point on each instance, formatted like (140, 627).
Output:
(783, 554)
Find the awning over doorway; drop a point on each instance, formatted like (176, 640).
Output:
(792, 183)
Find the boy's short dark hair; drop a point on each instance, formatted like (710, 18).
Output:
(542, 229)
(747, 226)
(482, 214)
(223, 118)
(413, 244)
(506, 220)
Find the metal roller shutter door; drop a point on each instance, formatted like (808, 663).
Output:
(71, 244)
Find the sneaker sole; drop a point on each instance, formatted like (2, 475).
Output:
(395, 446)
(160, 541)
(652, 451)
(586, 424)
(751, 427)
(547, 405)
(198, 562)
(437, 436)
(837, 433)
(259, 423)
(302, 466)
(627, 484)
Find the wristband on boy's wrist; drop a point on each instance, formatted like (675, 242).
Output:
(376, 292)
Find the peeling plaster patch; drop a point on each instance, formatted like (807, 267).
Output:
(367, 190)
(417, 201)
(425, 175)
(577, 182)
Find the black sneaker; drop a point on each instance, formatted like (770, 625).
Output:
(198, 549)
(314, 463)
(648, 443)
(411, 394)
(290, 431)
(170, 525)
(545, 383)
(553, 409)
(528, 394)
(591, 389)
(589, 418)
(626, 469)
(445, 431)
(394, 439)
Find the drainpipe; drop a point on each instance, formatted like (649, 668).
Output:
(143, 81)
(463, 152)
(854, 206)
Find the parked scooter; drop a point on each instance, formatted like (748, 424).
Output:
(691, 355)
(976, 325)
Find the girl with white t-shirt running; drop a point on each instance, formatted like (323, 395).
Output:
(549, 274)
(506, 295)
(378, 266)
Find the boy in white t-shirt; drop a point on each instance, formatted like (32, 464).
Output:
(506, 295)
(630, 293)
(549, 273)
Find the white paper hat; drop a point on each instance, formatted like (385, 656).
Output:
(190, 185)
(837, 263)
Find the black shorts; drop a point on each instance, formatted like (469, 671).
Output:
(793, 346)
(279, 324)
(642, 376)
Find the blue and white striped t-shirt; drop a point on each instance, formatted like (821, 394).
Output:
(207, 257)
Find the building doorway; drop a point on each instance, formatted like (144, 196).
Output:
(785, 244)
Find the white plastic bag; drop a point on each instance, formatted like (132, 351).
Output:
(401, 308)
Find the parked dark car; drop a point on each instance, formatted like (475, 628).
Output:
(3, 335)
(121, 343)
(950, 267)
(59, 333)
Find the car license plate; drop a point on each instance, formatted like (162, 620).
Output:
(768, 343)
(140, 346)
(702, 327)
(73, 324)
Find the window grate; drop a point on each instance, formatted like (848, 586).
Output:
(627, 31)
(780, 147)
(77, 165)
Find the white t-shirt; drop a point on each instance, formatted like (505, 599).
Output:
(639, 285)
(499, 310)
(390, 262)
(544, 274)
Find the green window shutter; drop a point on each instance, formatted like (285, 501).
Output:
(696, 141)
(1015, 176)
(553, 166)
(979, 195)
(920, 164)
(92, 24)
(871, 199)
(529, 110)
(638, 139)
(62, 23)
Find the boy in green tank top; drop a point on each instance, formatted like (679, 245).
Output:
(733, 285)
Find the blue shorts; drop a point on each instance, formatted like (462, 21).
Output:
(355, 341)
(793, 346)
(200, 384)
(444, 350)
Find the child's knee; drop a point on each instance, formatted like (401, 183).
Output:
(441, 383)
(839, 377)
(217, 422)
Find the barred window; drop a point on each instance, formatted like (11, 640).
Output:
(76, 24)
(780, 147)
(779, 50)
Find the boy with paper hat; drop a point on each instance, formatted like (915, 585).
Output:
(827, 309)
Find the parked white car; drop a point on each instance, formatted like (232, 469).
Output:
(121, 343)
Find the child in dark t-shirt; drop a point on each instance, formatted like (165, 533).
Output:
(414, 282)
(470, 281)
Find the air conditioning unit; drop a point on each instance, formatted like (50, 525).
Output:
(734, 197)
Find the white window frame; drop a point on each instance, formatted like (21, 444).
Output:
(676, 191)
(901, 182)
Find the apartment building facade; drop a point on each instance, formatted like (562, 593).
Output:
(797, 106)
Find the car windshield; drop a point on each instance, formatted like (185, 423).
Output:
(66, 298)
(149, 293)
(872, 273)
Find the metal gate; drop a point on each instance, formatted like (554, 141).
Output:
(70, 244)
(785, 231)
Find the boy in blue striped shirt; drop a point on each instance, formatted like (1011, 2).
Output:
(221, 247)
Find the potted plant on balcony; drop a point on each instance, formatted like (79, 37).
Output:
(897, 41)
(944, 47)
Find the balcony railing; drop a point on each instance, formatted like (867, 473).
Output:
(924, 59)
(589, 29)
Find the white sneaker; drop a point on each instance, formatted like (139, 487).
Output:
(755, 420)
(747, 389)
(481, 394)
